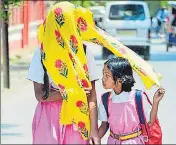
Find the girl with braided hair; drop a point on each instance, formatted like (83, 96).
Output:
(120, 113)
(46, 126)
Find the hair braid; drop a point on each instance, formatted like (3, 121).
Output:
(46, 88)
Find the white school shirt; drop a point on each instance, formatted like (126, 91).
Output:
(36, 72)
(121, 98)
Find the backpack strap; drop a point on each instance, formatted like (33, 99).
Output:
(139, 106)
(140, 111)
(105, 102)
(105, 97)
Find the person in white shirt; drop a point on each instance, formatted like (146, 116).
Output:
(46, 127)
(121, 114)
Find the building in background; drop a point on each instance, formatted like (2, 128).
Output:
(23, 23)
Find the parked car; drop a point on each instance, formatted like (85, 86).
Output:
(98, 12)
(129, 22)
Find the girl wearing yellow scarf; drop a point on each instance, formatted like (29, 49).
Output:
(48, 125)
(61, 36)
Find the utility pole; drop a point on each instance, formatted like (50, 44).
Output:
(5, 52)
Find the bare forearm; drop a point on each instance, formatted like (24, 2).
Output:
(92, 101)
(39, 92)
(102, 130)
(153, 113)
(156, 99)
(93, 114)
(53, 97)
(93, 117)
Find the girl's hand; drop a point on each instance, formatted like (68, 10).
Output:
(94, 138)
(87, 91)
(158, 95)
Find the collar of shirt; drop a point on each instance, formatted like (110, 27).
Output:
(122, 97)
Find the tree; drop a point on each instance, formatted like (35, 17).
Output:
(4, 16)
(155, 5)
(82, 3)
(163, 3)
(0, 32)
(87, 3)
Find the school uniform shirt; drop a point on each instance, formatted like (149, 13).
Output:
(121, 98)
(36, 72)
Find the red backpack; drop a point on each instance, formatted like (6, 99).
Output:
(153, 134)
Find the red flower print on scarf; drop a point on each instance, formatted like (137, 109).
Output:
(63, 92)
(59, 38)
(72, 59)
(85, 67)
(84, 83)
(83, 107)
(81, 125)
(58, 64)
(79, 104)
(96, 41)
(82, 128)
(59, 16)
(74, 44)
(81, 24)
(62, 67)
(79, 82)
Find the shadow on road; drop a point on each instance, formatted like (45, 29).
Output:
(7, 130)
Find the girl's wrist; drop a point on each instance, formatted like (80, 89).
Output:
(94, 129)
(155, 102)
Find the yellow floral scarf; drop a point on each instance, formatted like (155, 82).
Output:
(61, 36)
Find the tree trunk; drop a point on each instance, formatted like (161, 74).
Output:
(82, 3)
(5, 51)
(0, 32)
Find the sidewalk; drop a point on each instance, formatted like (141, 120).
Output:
(16, 124)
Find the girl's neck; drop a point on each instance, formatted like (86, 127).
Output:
(117, 91)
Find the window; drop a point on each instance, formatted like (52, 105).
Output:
(127, 12)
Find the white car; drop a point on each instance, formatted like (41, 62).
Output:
(98, 11)
(129, 22)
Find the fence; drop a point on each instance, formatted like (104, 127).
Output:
(23, 23)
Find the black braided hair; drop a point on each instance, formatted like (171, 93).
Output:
(84, 47)
(121, 69)
(46, 88)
